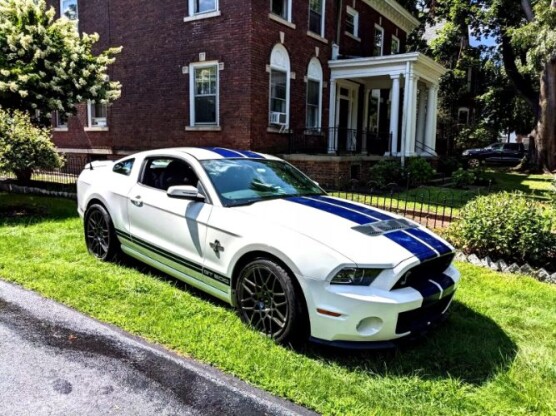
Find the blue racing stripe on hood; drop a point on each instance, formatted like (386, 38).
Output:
(333, 209)
(225, 152)
(250, 154)
(430, 240)
(368, 211)
(420, 250)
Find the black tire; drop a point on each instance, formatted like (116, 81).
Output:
(100, 235)
(474, 163)
(268, 301)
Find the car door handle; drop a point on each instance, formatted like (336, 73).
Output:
(137, 201)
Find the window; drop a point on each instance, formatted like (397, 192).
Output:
(68, 9)
(97, 114)
(463, 115)
(316, 16)
(379, 41)
(314, 95)
(352, 22)
(162, 173)
(60, 120)
(281, 8)
(204, 94)
(124, 167)
(202, 6)
(279, 86)
(395, 47)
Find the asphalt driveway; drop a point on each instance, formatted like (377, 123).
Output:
(56, 361)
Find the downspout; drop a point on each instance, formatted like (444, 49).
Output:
(339, 3)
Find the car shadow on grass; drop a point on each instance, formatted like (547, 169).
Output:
(468, 346)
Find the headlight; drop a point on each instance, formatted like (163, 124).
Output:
(355, 277)
(465, 153)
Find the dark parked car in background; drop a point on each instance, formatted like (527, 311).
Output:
(496, 153)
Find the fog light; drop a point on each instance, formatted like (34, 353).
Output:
(369, 326)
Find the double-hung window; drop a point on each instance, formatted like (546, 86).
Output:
(68, 9)
(395, 46)
(60, 120)
(97, 114)
(314, 95)
(279, 94)
(352, 22)
(378, 45)
(204, 94)
(316, 17)
(202, 6)
(281, 8)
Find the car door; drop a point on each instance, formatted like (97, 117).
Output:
(494, 154)
(511, 153)
(169, 230)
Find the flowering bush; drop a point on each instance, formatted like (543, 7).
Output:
(46, 65)
(25, 147)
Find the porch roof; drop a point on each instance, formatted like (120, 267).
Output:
(376, 66)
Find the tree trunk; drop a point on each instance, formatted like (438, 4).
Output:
(545, 151)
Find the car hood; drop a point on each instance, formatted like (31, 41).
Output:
(365, 235)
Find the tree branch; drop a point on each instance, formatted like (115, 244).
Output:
(528, 9)
(521, 84)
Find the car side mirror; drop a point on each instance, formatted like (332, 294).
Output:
(185, 192)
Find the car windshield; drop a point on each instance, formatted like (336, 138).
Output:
(246, 181)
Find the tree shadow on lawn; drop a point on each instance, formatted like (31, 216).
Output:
(21, 209)
(468, 346)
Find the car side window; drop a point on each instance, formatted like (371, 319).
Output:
(163, 172)
(124, 167)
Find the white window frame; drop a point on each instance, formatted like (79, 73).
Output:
(392, 52)
(288, 17)
(58, 125)
(192, 95)
(279, 61)
(350, 11)
(322, 19)
(62, 14)
(192, 15)
(98, 126)
(380, 29)
(315, 74)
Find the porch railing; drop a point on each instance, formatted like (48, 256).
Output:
(338, 140)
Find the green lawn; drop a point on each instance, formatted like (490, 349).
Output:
(495, 355)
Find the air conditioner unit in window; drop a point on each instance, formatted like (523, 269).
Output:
(278, 118)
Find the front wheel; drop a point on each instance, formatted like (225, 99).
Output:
(100, 235)
(474, 163)
(268, 301)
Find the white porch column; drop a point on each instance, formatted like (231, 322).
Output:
(430, 129)
(420, 136)
(365, 120)
(411, 117)
(332, 133)
(394, 114)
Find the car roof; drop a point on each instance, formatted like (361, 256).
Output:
(209, 153)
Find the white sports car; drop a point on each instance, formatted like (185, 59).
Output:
(255, 232)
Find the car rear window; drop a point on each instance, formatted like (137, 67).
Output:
(124, 167)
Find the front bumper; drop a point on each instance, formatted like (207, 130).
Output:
(369, 314)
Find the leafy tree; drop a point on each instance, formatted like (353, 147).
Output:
(25, 147)
(527, 47)
(45, 65)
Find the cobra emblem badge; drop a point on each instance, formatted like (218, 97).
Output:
(216, 247)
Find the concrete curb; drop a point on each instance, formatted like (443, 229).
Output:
(198, 386)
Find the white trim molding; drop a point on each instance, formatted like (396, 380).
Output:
(391, 10)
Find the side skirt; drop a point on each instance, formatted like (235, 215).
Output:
(224, 296)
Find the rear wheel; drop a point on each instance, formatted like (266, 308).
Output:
(268, 301)
(100, 235)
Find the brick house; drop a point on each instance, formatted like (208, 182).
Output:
(322, 82)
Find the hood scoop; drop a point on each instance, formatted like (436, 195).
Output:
(382, 227)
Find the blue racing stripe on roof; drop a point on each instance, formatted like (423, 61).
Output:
(224, 152)
(333, 209)
(252, 155)
(368, 211)
(420, 250)
(430, 240)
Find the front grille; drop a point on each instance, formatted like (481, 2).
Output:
(423, 272)
(420, 319)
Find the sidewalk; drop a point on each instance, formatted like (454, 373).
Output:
(56, 361)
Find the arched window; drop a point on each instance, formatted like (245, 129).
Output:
(279, 113)
(314, 94)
